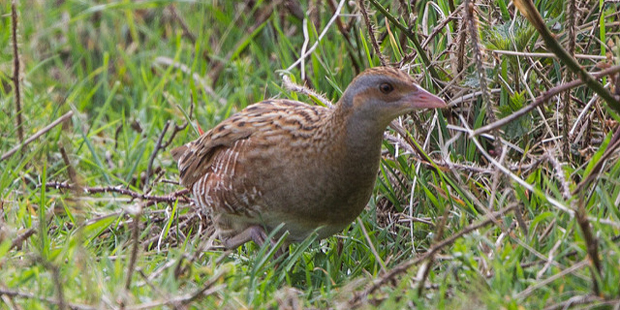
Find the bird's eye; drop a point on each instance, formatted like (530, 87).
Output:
(386, 88)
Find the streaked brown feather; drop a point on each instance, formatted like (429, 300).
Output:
(283, 161)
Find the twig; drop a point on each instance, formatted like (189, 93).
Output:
(559, 173)
(21, 238)
(591, 244)
(523, 294)
(57, 283)
(152, 199)
(186, 31)
(178, 128)
(516, 178)
(304, 47)
(546, 55)
(36, 135)
(16, 71)
(205, 290)
(426, 269)
(460, 47)
(613, 145)
(442, 25)
(539, 100)
(288, 84)
(318, 40)
(371, 33)
(528, 9)
(135, 236)
(70, 170)
(580, 300)
(25, 295)
(372, 247)
(158, 146)
(472, 26)
(404, 267)
(571, 12)
(344, 30)
(427, 63)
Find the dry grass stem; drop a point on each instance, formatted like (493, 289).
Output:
(404, 267)
(16, 73)
(371, 33)
(540, 100)
(39, 133)
(318, 40)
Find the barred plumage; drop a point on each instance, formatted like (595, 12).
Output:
(282, 161)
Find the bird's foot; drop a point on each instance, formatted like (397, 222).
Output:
(254, 233)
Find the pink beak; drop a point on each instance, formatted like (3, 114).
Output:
(422, 99)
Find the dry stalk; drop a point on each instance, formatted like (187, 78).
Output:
(25, 295)
(371, 33)
(135, 236)
(591, 244)
(528, 9)
(355, 301)
(344, 30)
(150, 199)
(472, 25)
(16, 73)
(416, 43)
(613, 145)
(431, 257)
(158, 146)
(571, 11)
(36, 135)
(186, 31)
(540, 100)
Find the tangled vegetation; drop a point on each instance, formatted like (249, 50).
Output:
(506, 200)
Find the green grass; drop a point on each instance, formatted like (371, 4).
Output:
(108, 62)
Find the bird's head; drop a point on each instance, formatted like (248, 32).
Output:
(383, 93)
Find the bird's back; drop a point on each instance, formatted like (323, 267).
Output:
(267, 164)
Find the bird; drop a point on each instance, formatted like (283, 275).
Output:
(301, 168)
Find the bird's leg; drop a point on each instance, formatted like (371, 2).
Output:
(254, 233)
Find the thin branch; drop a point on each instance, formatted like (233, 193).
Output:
(613, 145)
(371, 33)
(186, 31)
(372, 247)
(571, 12)
(158, 146)
(527, 292)
(152, 199)
(21, 238)
(288, 84)
(528, 9)
(546, 55)
(472, 26)
(16, 71)
(591, 244)
(135, 236)
(540, 100)
(559, 173)
(179, 301)
(318, 40)
(12, 293)
(404, 267)
(36, 135)
(427, 63)
(187, 70)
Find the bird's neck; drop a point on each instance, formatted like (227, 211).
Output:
(360, 138)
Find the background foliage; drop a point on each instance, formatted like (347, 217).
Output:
(91, 217)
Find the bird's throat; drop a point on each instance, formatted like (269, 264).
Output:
(359, 151)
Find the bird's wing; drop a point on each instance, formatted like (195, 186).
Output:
(195, 159)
